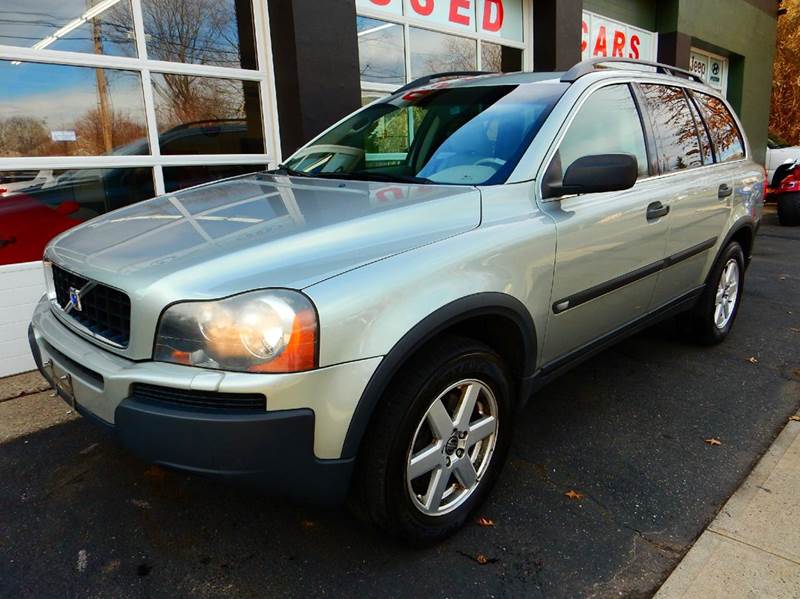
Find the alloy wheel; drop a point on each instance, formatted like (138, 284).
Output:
(452, 447)
(727, 294)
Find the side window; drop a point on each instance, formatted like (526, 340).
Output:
(705, 138)
(675, 131)
(725, 133)
(607, 123)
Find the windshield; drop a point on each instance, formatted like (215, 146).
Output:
(463, 135)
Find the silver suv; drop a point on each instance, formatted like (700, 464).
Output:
(363, 321)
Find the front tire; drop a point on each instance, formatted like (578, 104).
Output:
(712, 319)
(437, 442)
(789, 209)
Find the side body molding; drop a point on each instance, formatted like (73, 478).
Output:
(479, 304)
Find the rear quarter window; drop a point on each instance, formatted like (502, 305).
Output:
(727, 138)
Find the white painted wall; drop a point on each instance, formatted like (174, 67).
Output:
(21, 286)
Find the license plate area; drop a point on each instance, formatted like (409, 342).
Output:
(62, 384)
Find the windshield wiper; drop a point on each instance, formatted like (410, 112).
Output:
(287, 170)
(368, 176)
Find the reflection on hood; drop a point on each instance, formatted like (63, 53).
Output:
(274, 220)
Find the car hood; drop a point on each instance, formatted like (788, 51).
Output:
(260, 231)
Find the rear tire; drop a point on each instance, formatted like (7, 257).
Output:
(789, 209)
(711, 320)
(425, 463)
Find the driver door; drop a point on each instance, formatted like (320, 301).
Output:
(608, 250)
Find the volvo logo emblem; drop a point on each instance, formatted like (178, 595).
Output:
(74, 302)
(75, 295)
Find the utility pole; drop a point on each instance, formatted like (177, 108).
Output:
(102, 87)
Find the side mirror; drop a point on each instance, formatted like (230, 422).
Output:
(597, 174)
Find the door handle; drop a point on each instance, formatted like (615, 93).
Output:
(725, 191)
(656, 210)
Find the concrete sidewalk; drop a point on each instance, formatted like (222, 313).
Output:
(752, 548)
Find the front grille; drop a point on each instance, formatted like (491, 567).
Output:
(105, 312)
(208, 400)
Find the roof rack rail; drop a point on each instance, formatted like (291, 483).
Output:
(437, 76)
(591, 65)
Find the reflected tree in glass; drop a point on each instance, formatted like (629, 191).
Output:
(211, 32)
(381, 51)
(60, 110)
(433, 52)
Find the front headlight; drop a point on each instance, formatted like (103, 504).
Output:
(263, 331)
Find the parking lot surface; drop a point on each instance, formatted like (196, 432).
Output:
(626, 432)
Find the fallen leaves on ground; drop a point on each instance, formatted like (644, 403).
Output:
(485, 522)
(574, 495)
(480, 558)
(713, 442)
(752, 360)
(794, 418)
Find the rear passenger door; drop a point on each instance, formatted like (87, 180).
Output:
(608, 251)
(696, 191)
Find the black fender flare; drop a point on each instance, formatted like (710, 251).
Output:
(479, 304)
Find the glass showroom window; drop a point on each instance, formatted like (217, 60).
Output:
(397, 46)
(108, 102)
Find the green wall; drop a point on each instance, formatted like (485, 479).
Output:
(739, 28)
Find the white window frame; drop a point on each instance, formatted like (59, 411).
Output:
(145, 67)
(407, 22)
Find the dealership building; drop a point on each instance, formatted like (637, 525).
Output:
(109, 102)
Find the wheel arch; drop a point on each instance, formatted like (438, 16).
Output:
(743, 232)
(498, 319)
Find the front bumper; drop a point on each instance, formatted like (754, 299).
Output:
(292, 448)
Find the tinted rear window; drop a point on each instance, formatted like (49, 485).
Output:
(727, 138)
(705, 136)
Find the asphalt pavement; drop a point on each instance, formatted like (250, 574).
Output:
(626, 431)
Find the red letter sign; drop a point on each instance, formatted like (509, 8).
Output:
(619, 44)
(601, 46)
(422, 7)
(584, 42)
(456, 16)
(635, 41)
(381, 2)
(493, 22)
